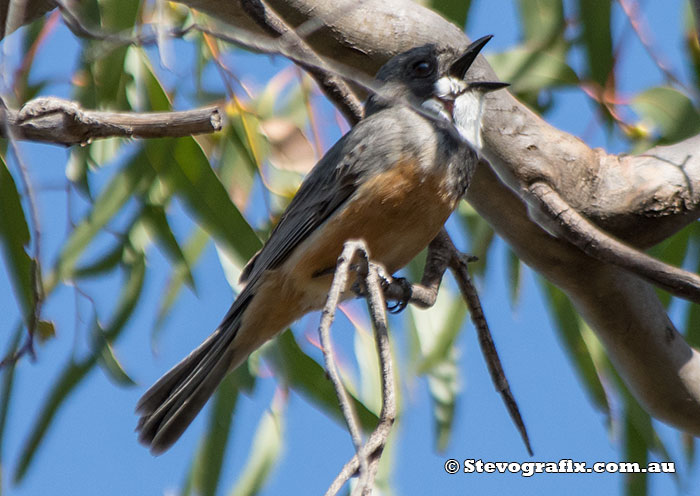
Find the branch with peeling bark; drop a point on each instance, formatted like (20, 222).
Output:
(56, 120)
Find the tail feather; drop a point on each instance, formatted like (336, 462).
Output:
(170, 405)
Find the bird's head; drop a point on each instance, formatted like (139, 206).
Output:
(434, 78)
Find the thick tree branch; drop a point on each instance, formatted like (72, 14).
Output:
(55, 120)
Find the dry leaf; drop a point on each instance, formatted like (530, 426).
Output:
(290, 148)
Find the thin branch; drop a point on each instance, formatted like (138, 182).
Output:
(582, 233)
(696, 12)
(56, 120)
(36, 279)
(339, 284)
(367, 456)
(631, 10)
(333, 86)
(377, 308)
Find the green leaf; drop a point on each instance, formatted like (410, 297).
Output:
(144, 90)
(635, 450)
(182, 163)
(514, 277)
(71, 376)
(455, 11)
(109, 261)
(106, 359)
(533, 69)
(133, 179)
(567, 321)
(14, 237)
(436, 330)
(303, 374)
(597, 38)
(207, 465)
(542, 20)
(154, 217)
(74, 372)
(370, 391)
(669, 111)
(8, 380)
(267, 446)
(193, 250)
(481, 235)
(109, 77)
(673, 251)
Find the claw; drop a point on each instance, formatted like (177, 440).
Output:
(402, 303)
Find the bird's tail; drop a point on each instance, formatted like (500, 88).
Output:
(170, 405)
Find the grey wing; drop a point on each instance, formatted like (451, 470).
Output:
(368, 148)
(330, 183)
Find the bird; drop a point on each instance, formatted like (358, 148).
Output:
(392, 181)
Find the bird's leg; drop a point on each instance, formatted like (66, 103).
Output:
(425, 293)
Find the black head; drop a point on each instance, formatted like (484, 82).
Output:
(414, 73)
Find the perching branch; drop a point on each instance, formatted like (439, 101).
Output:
(566, 222)
(340, 282)
(368, 455)
(64, 122)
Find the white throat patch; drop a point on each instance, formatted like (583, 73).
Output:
(467, 109)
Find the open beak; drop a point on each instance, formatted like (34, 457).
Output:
(461, 66)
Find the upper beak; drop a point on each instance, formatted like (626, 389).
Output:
(460, 67)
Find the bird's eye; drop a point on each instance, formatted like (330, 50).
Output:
(422, 68)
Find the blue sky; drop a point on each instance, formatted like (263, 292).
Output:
(91, 447)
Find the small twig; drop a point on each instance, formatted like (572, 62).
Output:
(631, 10)
(340, 282)
(13, 357)
(56, 120)
(696, 12)
(333, 86)
(569, 224)
(458, 267)
(36, 279)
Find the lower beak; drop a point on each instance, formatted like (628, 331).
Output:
(487, 86)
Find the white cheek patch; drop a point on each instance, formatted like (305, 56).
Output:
(448, 86)
(469, 107)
